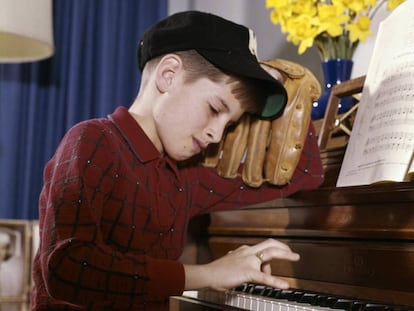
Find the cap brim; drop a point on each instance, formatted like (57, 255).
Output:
(249, 67)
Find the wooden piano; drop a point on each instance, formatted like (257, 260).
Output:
(356, 243)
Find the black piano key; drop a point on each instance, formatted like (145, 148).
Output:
(275, 293)
(348, 304)
(267, 292)
(345, 304)
(296, 296)
(308, 298)
(358, 306)
(249, 288)
(329, 302)
(240, 288)
(324, 301)
(377, 307)
(319, 299)
(285, 294)
(258, 290)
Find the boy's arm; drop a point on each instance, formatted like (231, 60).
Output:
(232, 193)
(75, 261)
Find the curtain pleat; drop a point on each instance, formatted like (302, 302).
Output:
(94, 70)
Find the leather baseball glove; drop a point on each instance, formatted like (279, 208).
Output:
(269, 150)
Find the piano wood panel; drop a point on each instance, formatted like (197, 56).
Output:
(355, 241)
(382, 194)
(372, 220)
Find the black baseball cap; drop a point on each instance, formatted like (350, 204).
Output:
(229, 46)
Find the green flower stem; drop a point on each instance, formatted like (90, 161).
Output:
(337, 47)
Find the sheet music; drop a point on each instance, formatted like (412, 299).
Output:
(381, 145)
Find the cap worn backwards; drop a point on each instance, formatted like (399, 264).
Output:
(229, 46)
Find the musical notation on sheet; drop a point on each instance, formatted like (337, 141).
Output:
(381, 144)
(392, 110)
(390, 141)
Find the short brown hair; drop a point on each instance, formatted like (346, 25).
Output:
(248, 91)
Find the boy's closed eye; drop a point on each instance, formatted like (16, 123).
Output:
(214, 110)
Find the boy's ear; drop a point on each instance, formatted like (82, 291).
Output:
(167, 70)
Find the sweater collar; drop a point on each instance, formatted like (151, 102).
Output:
(134, 135)
(137, 140)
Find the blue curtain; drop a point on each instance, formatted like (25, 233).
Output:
(93, 71)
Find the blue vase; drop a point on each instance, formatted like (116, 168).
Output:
(334, 71)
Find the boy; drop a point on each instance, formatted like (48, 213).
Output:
(117, 200)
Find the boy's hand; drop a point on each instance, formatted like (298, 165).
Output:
(246, 264)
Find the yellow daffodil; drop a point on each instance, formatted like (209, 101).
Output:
(334, 26)
(359, 31)
(301, 31)
(392, 4)
(331, 19)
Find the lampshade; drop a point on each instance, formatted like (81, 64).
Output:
(26, 31)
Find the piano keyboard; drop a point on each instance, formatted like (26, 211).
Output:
(262, 298)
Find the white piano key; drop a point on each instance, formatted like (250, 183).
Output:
(249, 301)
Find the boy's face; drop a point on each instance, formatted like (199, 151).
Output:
(190, 116)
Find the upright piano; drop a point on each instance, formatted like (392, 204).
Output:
(355, 242)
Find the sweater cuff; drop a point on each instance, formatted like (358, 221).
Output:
(167, 277)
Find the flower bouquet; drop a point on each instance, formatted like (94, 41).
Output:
(335, 27)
